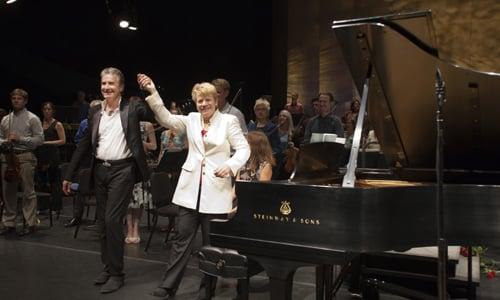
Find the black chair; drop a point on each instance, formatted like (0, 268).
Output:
(85, 192)
(162, 191)
(226, 263)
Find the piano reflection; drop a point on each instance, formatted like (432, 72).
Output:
(328, 214)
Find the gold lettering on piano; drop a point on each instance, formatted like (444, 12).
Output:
(283, 219)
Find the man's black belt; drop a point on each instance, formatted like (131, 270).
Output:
(109, 163)
(18, 151)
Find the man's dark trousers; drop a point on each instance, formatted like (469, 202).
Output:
(113, 191)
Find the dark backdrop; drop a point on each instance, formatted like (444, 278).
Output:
(52, 48)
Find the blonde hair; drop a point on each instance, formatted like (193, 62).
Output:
(264, 102)
(20, 92)
(221, 82)
(288, 116)
(260, 149)
(202, 90)
(114, 71)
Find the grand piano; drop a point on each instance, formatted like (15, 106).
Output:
(327, 214)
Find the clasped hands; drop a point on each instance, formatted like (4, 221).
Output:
(146, 83)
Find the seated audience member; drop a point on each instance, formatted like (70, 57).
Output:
(295, 108)
(20, 133)
(350, 117)
(259, 166)
(48, 155)
(262, 123)
(300, 128)
(223, 89)
(325, 121)
(285, 130)
(172, 140)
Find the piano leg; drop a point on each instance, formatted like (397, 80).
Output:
(280, 273)
(320, 281)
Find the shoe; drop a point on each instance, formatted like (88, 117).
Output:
(29, 230)
(132, 240)
(73, 222)
(102, 278)
(113, 284)
(8, 231)
(163, 293)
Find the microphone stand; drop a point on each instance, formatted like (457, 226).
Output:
(441, 238)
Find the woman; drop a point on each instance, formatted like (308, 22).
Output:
(285, 132)
(172, 140)
(285, 128)
(204, 189)
(264, 124)
(259, 166)
(48, 154)
(141, 195)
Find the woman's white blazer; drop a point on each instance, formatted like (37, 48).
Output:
(223, 134)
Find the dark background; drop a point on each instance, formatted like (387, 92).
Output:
(52, 48)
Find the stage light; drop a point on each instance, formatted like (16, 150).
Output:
(134, 28)
(10, 1)
(124, 23)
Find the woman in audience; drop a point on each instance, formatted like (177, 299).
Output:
(172, 140)
(204, 189)
(264, 124)
(259, 166)
(141, 194)
(285, 130)
(48, 155)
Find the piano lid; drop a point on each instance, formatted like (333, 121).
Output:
(402, 100)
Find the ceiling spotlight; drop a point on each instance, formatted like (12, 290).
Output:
(124, 23)
(10, 1)
(134, 28)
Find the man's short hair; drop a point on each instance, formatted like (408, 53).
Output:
(221, 82)
(329, 95)
(20, 92)
(114, 71)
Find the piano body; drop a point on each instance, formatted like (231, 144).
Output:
(328, 213)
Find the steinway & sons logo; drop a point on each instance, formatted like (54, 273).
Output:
(285, 210)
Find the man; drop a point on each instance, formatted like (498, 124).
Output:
(114, 141)
(20, 133)
(223, 88)
(295, 108)
(82, 107)
(325, 121)
(78, 204)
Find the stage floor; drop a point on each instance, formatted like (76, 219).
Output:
(50, 264)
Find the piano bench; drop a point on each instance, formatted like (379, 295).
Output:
(226, 263)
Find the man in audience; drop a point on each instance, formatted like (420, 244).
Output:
(20, 133)
(295, 108)
(223, 88)
(82, 107)
(325, 121)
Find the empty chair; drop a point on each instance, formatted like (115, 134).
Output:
(162, 190)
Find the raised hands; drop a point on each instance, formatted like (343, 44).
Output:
(146, 83)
